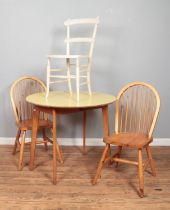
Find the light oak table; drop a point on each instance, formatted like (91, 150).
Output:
(66, 103)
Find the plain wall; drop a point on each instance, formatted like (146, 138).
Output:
(132, 43)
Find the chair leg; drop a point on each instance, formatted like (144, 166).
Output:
(20, 164)
(77, 80)
(16, 141)
(59, 152)
(118, 153)
(150, 159)
(69, 75)
(58, 148)
(88, 83)
(88, 76)
(101, 163)
(44, 138)
(141, 173)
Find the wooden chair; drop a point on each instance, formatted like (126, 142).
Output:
(81, 64)
(20, 89)
(137, 109)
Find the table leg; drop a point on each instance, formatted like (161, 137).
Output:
(107, 147)
(106, 124)
(105, 121)
(36, 113)
(84, 132)
(54, 147)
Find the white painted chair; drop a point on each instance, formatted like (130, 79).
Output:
(74, 62)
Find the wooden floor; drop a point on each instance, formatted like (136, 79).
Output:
(27, 190)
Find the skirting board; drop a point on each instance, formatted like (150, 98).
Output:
(89, 141)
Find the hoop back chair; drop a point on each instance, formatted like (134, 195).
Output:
(72, 61)
(20, 89)
(137, 109)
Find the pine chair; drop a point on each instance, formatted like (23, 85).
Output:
(81, 64)
(137, 109)
(20, 89)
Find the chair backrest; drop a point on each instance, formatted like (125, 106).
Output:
(20, 89)
(80, 22)
(137, 109)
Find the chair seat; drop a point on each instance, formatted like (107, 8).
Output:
(27, 124)
(128, 140)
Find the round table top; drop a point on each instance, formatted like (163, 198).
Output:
(67, 100)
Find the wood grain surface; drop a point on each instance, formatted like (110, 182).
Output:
(27, 190)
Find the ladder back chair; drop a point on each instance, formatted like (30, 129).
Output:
(137, 108)
(20, 89)
(80, 63)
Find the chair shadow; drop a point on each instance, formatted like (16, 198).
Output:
(90, 170)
